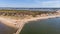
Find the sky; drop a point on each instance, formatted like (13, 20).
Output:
(30, 3)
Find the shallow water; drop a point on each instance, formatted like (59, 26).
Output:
(4, 29)
(46, 26)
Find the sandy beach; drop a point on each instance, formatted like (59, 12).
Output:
(6, 27)
(20, 22)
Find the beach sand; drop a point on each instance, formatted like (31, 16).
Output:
(24, 21)
(19, 23)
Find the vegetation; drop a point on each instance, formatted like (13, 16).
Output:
(22, 13)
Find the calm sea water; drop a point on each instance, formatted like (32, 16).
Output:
(5, 29)
(46, 26)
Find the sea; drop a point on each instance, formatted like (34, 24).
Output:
(44, 26)
(5, 29)
(33, 9)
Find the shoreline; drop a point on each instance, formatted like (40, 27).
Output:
(37, 18)
(33, 19)
(20, 22)
(15, 21)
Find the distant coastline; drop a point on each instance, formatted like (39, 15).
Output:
(34, 9)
